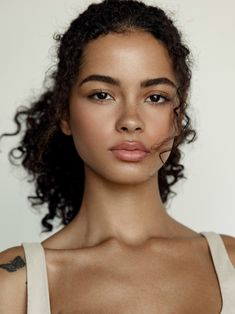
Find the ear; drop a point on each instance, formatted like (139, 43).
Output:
(65, 127)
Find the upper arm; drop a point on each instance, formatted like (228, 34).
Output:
(13, 281)
(229, 242)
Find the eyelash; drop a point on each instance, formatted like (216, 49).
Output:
(165, 98)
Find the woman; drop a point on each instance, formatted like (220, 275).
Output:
(102, 144)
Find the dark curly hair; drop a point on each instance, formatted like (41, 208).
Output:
(47, 154)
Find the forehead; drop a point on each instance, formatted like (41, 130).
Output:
(133, 54)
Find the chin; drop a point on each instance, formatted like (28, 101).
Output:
(130, 176)
(125, 172)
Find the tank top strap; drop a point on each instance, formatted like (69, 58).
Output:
(38, 300)
(224, 268)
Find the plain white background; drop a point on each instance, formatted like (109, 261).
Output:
(205, 201)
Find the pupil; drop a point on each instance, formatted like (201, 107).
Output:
(155, 97)
(102, 95)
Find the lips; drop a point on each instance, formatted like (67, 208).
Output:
(130, 151)
(130, 146)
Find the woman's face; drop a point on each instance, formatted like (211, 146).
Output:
(105, 112)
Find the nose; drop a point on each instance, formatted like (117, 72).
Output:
(130, 122)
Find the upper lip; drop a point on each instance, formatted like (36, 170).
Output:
(133, 145)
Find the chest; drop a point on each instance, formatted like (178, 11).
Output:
(135, 283)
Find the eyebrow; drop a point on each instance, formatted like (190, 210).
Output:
(116, 82)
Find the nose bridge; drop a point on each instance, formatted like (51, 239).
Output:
(129, 119)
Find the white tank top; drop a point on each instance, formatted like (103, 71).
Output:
(38, 301)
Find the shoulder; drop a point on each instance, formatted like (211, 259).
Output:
(229, 242)
(12, 263)
(12, 280)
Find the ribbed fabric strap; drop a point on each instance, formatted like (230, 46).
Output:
(224, 270)
(38, 301)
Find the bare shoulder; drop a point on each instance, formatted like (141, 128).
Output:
(12, 281)
(229, 242)
(11, 261)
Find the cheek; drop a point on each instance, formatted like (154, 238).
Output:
(161, 125)
(89, 131)
(162, 134)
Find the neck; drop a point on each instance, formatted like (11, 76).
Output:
(131, 214)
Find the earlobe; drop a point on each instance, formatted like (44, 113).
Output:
(65, 127)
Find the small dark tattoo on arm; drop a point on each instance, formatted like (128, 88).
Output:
(13, 265)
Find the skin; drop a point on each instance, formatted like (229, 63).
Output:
(13, 265)
(122, 251)
(121, 199)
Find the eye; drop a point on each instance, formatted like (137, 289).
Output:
(158, 99)
(101, 96)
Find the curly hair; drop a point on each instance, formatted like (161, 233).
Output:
(47, 154)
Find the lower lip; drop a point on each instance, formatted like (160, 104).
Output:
(130, 155)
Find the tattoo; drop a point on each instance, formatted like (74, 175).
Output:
(15, 264)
